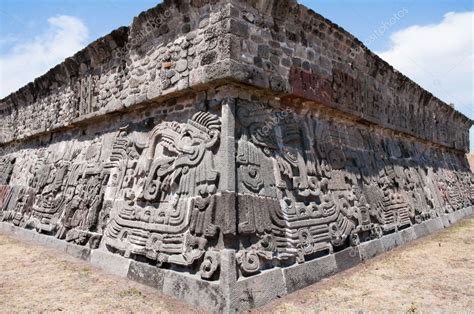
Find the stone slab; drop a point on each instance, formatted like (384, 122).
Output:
(408, 235)
(446, 221)
(193, 290)
(421, 230)
(454, 217)
(111, 263)
(146, 274)
(468, 211)
(302, 275)
(347, 258)
(370, 249)
(258, 290)
(182, 286)
(78, 251)
(391, 241)
(434, 225)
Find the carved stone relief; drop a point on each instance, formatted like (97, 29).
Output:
(154, 197)
(164, 210)
(6, 169)
(308, 185)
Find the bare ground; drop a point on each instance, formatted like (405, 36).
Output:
(36, 279)
(434, 274)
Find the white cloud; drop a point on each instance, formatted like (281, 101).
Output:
(439, 57)
(27, 60)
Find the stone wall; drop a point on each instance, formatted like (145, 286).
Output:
(278, 45)
(227, 142)
(328, 182)
(165, 50)
(145, 185)
(286, 47)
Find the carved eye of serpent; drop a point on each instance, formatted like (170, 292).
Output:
(187, 139)
(206, 265)
(304, 235)
(253, 172)
(147, 215)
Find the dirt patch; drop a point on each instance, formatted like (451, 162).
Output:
(37, 279)
(434, 274)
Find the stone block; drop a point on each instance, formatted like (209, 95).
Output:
(6, 228)
(146, 274)
(421, 230)
(193, 290)
(453, 217)
(391, 241)
(470, 211)
(302, 275)
(77, 251)
(370, 249)
(408, 235)
(461, 214)
(112, 263)
(446, 221)
(347, 258)
(434, 225)
(57, 244)
(258, 290)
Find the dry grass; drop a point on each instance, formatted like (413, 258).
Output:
(435, 274)
(35, 279)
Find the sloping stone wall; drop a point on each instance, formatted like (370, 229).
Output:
(146, 184)
(164, 51)
(286, 47)
(223, 145)
(278, 45)
(327, 183)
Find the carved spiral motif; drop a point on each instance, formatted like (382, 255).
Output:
(210, 265)
(249, 262)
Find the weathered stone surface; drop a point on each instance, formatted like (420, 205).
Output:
(391, 241)
(408, 235)
(254, 291)
(434, 225)
(213, 150)
(347, 258)
(370, 249)
(421, 230)
(302, 275)
(111, 263)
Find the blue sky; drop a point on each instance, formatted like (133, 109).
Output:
(431, 41)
